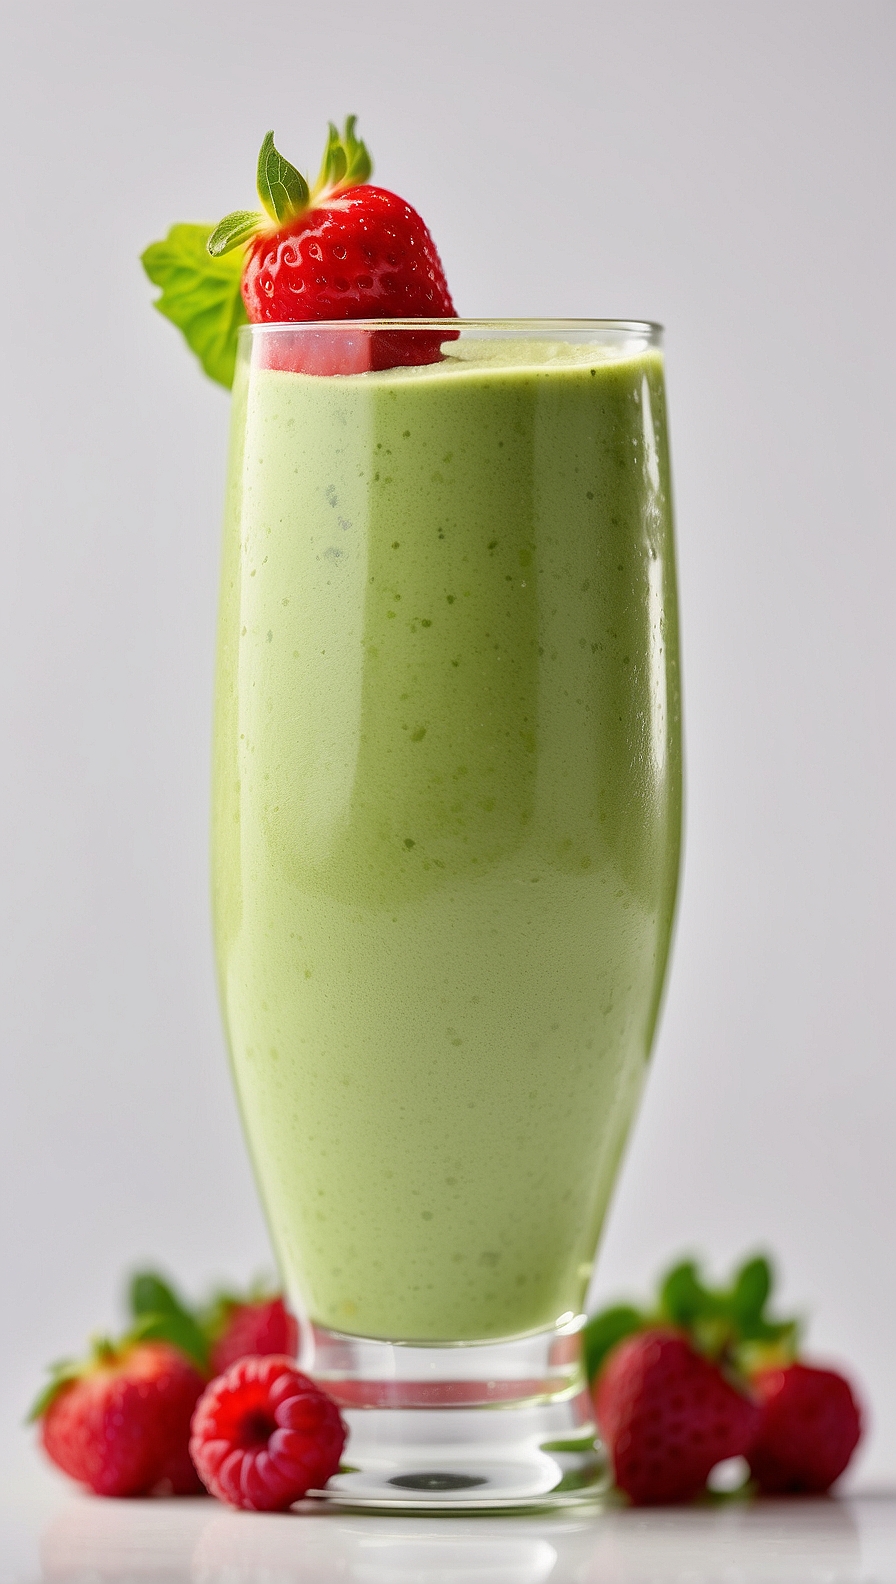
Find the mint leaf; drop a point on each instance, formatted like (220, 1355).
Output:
(235, 228)
(200, 294)
(281, 188)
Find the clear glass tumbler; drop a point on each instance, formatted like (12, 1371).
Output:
(446, 837)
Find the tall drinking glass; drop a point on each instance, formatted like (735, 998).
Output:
(446, 835)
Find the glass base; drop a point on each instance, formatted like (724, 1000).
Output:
(461, 1427)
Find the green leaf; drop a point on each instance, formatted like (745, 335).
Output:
(200, 294)
(180, 1330)
(751, 1290)
(162, 1316)
(335, 162)
(61, 1374)
(149, 1293)
(604, 1330)
(234, 229)
(360, 165)
(683, 1297)
(282, 189)
(346, 161)
(582, 1444)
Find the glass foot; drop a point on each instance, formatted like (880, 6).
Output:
(459, 1426)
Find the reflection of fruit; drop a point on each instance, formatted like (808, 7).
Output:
(120, 1423)
(263, 1434)
(259, 1328)
(668, 1416)
(809, 1429)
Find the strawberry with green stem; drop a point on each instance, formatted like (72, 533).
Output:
(341, 250)
(119, 1420)
(230, 1326)
(730, 1325)
(668, 1415)
(707, 1374)
(255, 1324)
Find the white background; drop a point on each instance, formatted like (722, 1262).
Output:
(726, 168)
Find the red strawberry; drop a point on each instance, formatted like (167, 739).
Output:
(263, 1434)
(809, 1429)
(344, 250)
(120, 1423)
(258, 1328)
(668, 1416)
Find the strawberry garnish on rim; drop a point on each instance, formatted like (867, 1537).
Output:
(340, 250)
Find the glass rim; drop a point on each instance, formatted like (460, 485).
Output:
(645, 328)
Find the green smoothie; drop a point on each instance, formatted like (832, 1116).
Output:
(447, 814)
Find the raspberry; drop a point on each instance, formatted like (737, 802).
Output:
(263, 1435)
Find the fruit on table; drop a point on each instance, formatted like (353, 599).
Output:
(705, 1368)
(668, 1415)
(120, 1421)
(263, 1434)
(260, 1327)
(228, 1327)
(809, 1429)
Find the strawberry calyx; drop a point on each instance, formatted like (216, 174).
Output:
(158, 1313)
(285, 194)
(161, 1315)
(729, 1325)
(105, 1354)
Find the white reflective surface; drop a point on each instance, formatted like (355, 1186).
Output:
(51, 1535)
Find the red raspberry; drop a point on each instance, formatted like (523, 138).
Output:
(259, 1328)
(122, 1425)
(263, 1434)
(810, 1427)
(668, 1416)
